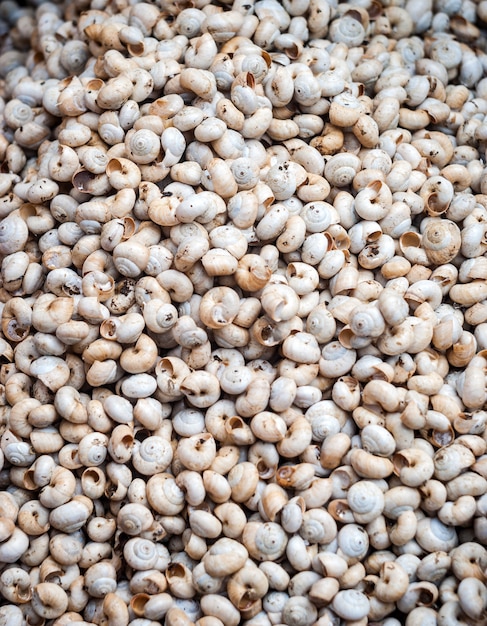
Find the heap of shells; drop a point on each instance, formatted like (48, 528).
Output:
(243, 313)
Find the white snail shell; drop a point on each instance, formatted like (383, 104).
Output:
(152, 455)
(318, 526)
(367, 321)
(142, 145)
(13, 234)
(134, 518)
(366, 500)
(351, 604)
(441, 240)
(100, 579)
(299, 611)
(264, 541)
(141, 554)
(433, 535)
(353, 542)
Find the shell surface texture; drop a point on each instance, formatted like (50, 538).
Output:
(243, 312)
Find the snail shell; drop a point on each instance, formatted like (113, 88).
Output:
(74, 55)
(14, 546)
(219, 307)
(366, 500)
(367, 321)
(141, 554)
(451, 460)
(7, 527)
(351, 604)
(203, 582)
(92, 449)
(15, 584)
(336, 360)
(393, 307)
(201, 82)
(299, 611)
(441, 240)
(189, 22)
(272, 501)
(292, 514)
(378, 440)
(152, 455)
(413, 465)
(318, 526)
(353, 542)
(142, 145)
(225, 557)
(321, 324)
(49, 600)
(341, 168)
(71, 516)
(348, 29)
(264, 541)
(197, 452)
(242, 93)
(432, 535)
(280, 302)
(188, 422)
(163, 494)
(100, 579)
(13, 233)
(307, 90)
(134, 518)
(52, 371)
(17, 113)
(245, 172)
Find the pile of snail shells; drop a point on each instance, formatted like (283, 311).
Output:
(243, 313)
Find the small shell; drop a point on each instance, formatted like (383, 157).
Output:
(143, 146)
(318, 526)
(433, 535)
(367, 321)
(366, 500)
(141, 554)
(100, 579)
(197, 452)
(225, 557)
(414, 466)
(13, 233)
(351, 604)
(123, 173)
(353, 542)
(441, 240)
(152, 455)
(299, 611)
(49, 600)
(378, 440)
(115, 93)
(336, 360)
(164, 495)
(201, 82)
(264, 541)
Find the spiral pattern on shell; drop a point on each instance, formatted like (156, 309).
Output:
(141, 554)
(441, 240)
(264, 541)
(353, 541)
(366, 500)
(143, 145)
(134, 518)
(152, 455)
(348, 30)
